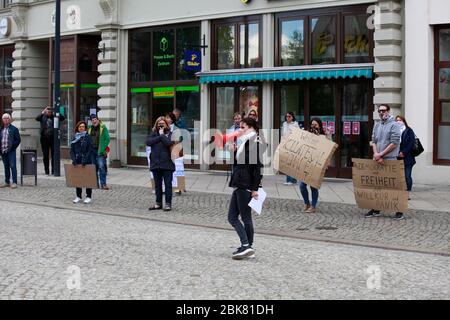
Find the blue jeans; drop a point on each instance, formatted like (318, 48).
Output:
(100, 165)
(305, 195)
(9, 162)
(408, 175)
(159, 176)
(291, 180)
(239, 207)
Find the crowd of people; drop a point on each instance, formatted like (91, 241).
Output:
(392, 139)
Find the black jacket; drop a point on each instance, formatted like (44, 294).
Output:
(82, 152)
(160, 155)
(42, 118)
(247, 168)
(407, 145)
(14, 138)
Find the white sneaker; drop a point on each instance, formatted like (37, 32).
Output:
(87, 200)
(76, 200)
(288, 184)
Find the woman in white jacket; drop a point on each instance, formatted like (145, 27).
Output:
(288, 125)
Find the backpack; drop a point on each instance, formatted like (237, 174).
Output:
(418, 148)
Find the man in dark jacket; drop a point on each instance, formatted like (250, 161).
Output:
(46, 118)
(9, 141)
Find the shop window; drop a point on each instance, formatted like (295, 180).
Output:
(323, 36)
(292, 100)
(323, 40)
(249, 100)
(354, 123)
(163, 55)
(6, 69)
(88, 101)
(226, 47)
(140, 124)
(292, 42)
(67, 110)
(356, 39)
(444, 45)
(188, 40)
(140, 56)
(188, 102)
(323, 106)
(237, 44)
(249, 45)
(444, 83)
(442, 99)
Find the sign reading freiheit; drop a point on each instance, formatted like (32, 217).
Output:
(380, 187)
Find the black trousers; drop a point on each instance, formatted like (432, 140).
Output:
(239, 207)
(80, 193)
(47, 151)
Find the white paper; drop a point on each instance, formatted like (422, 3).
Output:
(257, 205)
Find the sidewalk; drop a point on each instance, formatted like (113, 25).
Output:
(424, 197)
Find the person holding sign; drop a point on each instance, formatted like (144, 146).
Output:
(386, 145)
(315, 127)
(406, 148)
(288, 125)
(246, 181)
(82, 153)
(161, 164)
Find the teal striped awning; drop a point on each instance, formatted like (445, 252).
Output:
(285, 74)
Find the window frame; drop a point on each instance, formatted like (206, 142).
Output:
(339, 13)
(237, 23)
(438, 64)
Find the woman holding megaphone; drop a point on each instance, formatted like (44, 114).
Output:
(246, 181)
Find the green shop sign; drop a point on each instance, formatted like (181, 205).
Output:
(163, 59)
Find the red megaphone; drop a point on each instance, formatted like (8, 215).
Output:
(221, 140)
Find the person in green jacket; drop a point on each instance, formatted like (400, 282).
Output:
(100, 138)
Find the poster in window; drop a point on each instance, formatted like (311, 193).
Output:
(332, 127)
(347, 128)
(356, 128)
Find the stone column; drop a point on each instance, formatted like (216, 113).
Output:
(388, 55)
(30, 88)
(109, 85)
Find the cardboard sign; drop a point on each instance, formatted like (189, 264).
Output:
(380, 187)
(356, 128)
(81, 177)
(304, 156)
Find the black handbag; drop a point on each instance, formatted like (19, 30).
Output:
(418, 148)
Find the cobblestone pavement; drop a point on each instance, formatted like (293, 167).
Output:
(425, 231)
(47, 253)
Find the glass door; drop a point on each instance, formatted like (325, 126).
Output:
(225, 109)
(355, 123)
(67, 108)
(226, 101)
(322, 105)
(140, 125)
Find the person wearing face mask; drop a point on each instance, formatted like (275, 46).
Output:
(161, 164)
(246, 181)
(315, 127)
(406, 148)
(386, 145)
(82, 152)
(289, 124)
